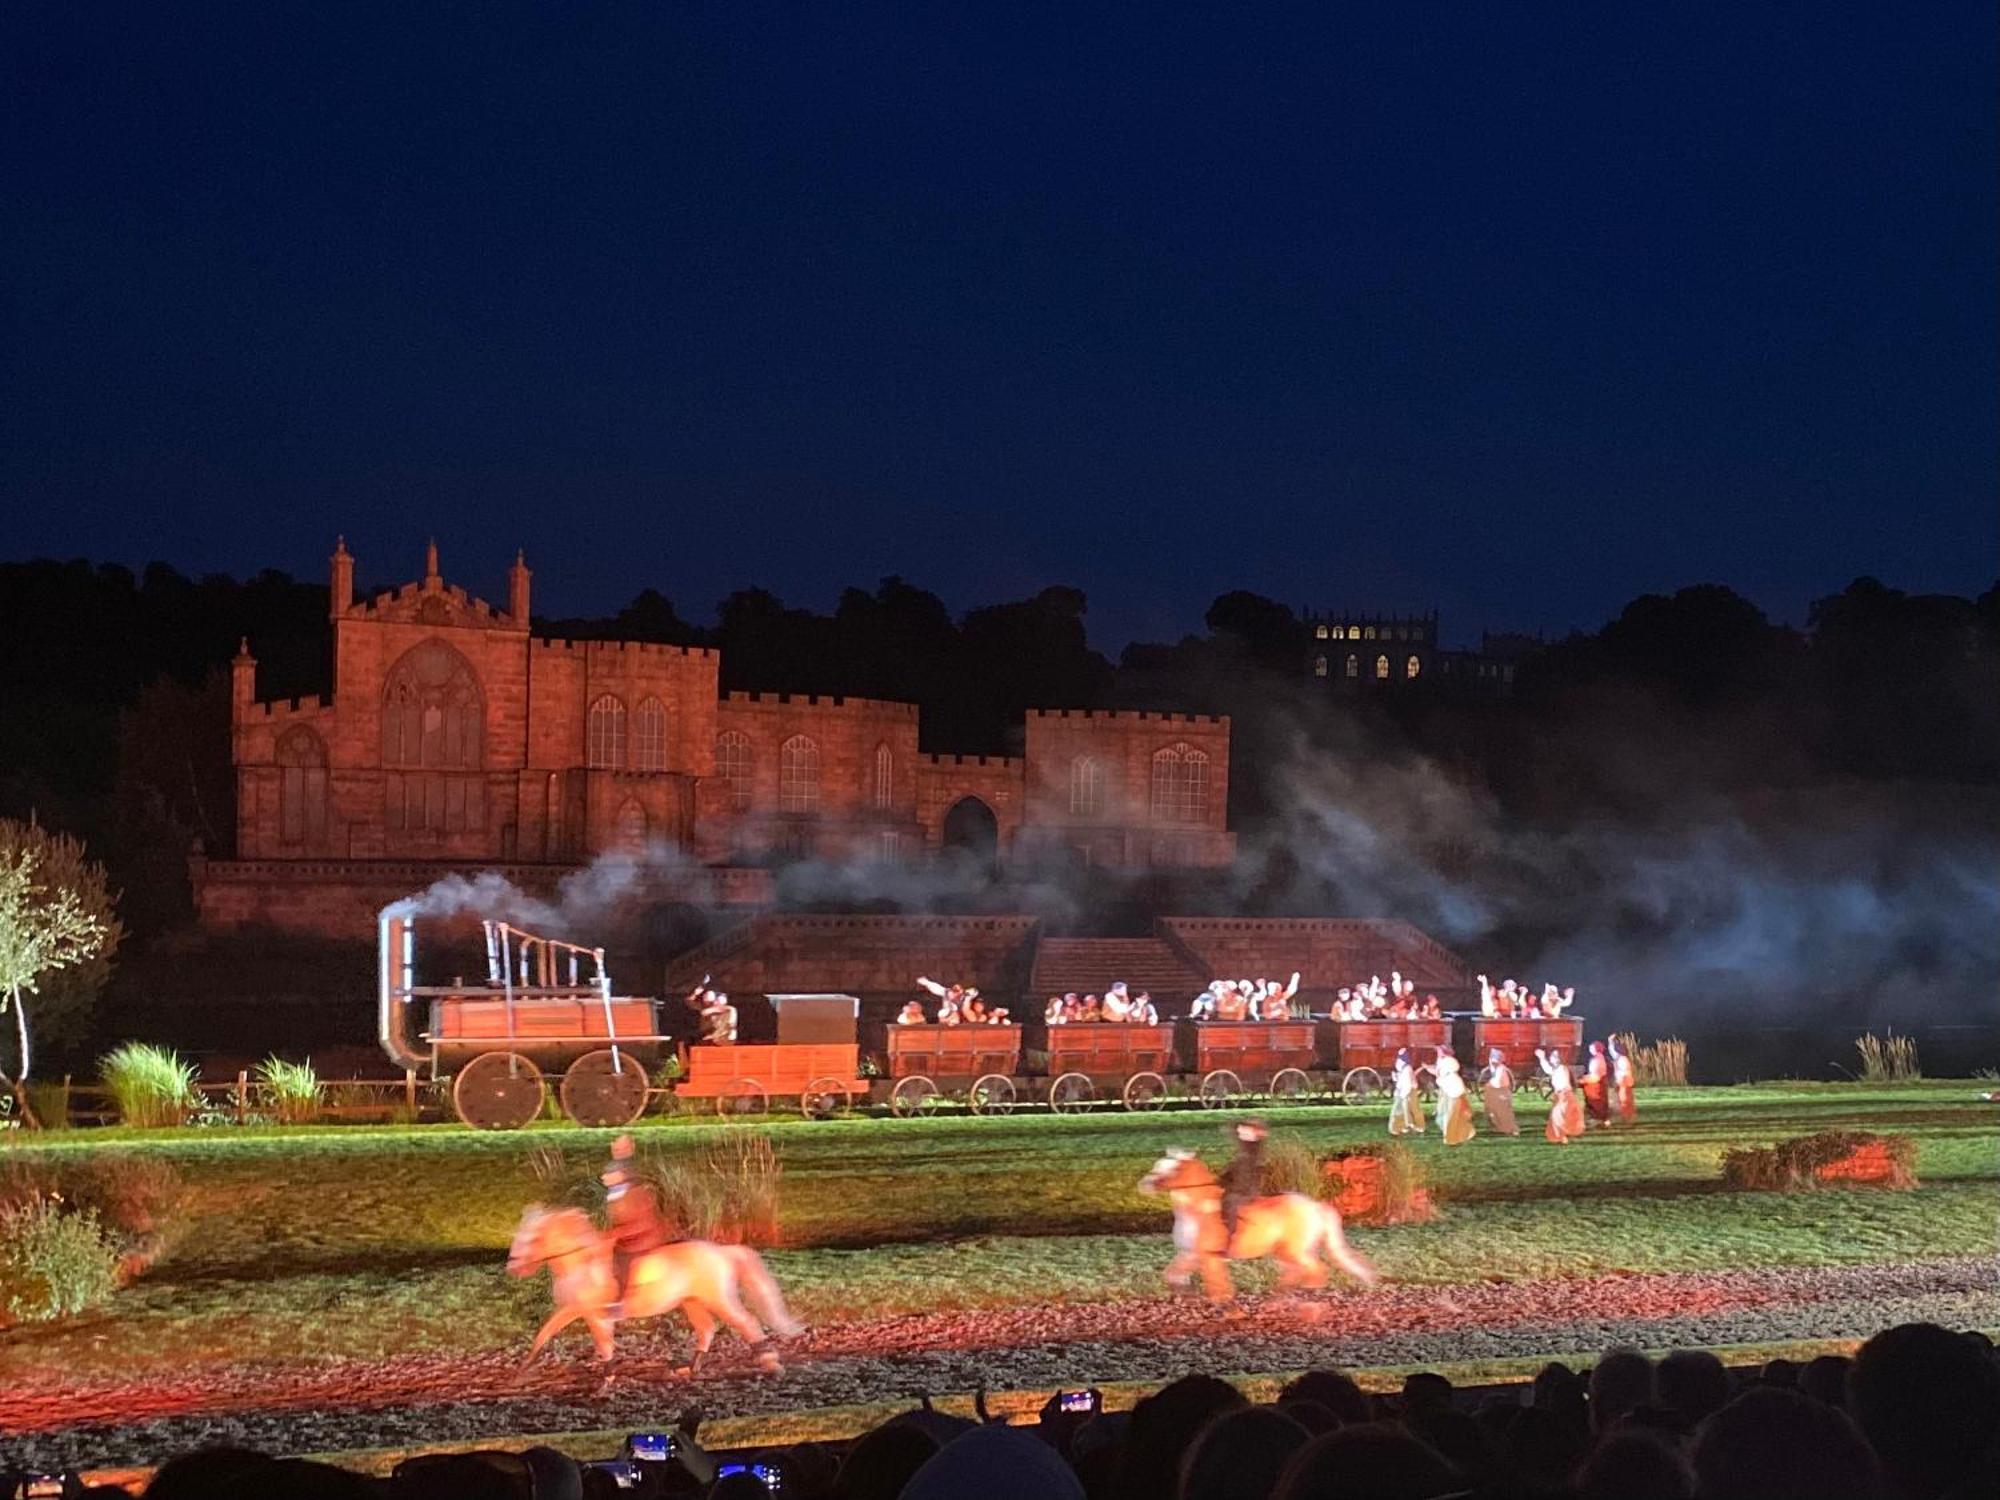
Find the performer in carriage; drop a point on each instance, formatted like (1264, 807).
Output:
(1454, 1103)
(633, 1218)
(912, 1014)
(1597, 1086)
(1406, 1107)
(1243, 1178)
(1275, 1001)
(1623, 1077)
(1144, 1012)
(1231, 1003)
(712, 1009)
(1496, 1091)
(1054, 1013)
(1203, 1006)
(1117, 1002)
(949, 998)
(1565, 1112)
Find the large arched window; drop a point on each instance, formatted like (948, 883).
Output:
(885, 778)
(1320, 633)
(1086, 787)
(735, 765)
(649, 736)
(433, 743)
(1353, 665)
(1180, 784)
(1354, 632)
(1319, 666)
(301, 787)
(798, 774)
(607, 734)
(1381, 669)
(630, 837)
(1412, 667)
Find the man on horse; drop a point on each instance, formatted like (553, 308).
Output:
(633, 1213)
(1243, 1178)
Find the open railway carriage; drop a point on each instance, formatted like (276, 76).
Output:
(815, 1061)
(1364, 1052)
(1237, 1058)
(930, 1062)
(1518, 1037)
(546, 1007)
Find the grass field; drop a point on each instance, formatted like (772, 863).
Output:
(307, 1246)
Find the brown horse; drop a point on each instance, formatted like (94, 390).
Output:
(703, 1280)
(1291, 1227)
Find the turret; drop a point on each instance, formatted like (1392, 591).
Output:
(517, 590)
(431, 579)
(242, 679)
(340, 580)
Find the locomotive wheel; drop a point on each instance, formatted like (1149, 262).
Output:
(498, 1091)
(742, 1096)
(824, 1098)
(1220, 1089)
(1290, 1086)
(600, 1089)
(1145, 1091)
(1360, 1085)
(1070, 1093)
(991, 1094)
(915, 1095)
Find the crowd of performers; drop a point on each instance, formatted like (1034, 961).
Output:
(1375, 1001)
(1512, 1000)
(1607, 1094)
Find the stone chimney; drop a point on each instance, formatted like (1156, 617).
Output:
(340, 580)
(243, 678)
(431, 579)
(517, 590)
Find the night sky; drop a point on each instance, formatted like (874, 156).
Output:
(1515, 311)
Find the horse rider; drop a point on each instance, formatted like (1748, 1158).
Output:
(1243, 1178)
(637, 1227)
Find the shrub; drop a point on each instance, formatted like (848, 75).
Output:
(136, 1199)
(726, 1189)
(49, 1099)
(1291, 1167)
(150, 1085)
(1888, 1059)
(291, 1091)
(1379, 1184)
(1811, 1161)
(55, 1260)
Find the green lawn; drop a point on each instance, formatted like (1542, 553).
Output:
(391, 1240)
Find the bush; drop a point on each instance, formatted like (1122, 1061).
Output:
(1379, 1184)
(1290, 1167)
(1831, 1156)
(725, 1190)
(150, 1085)
(291, 1091)
(55, 1260)
(135, 1199)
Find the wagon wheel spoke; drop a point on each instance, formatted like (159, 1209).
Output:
(913, 1096)
(992, 1094)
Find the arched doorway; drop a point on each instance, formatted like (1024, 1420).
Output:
(969, 826)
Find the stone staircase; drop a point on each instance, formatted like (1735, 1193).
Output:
(1089, 966)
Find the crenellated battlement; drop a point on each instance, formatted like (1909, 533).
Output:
(961, 762)
(409, 593)
(657, 650)
(817, 700)
(287, 708)
(1128, 716)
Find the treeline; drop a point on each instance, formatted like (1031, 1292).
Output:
(114, 695)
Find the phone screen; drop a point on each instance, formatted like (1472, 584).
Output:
(1079, 1401)
(652, 1447)
(768, 1475)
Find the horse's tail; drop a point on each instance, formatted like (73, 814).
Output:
(1333, 1240)
(761, 1292)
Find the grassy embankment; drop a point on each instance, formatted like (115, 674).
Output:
(305, 1246)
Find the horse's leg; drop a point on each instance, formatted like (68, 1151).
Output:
(729, 1307)
(702, 1321)
(561, 1319)
(1180, 1270)
(1215, 1278)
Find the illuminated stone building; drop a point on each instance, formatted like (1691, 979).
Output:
(1362, 652)
(457, 740)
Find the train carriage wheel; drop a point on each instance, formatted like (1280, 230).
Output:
(915, 1095)
(1360, 1085)
(1290, 1086)
(991, 1094)
(498, 1091)
(1070, 1093)
(1220, 1089)
(1145, 1091)
(742, 1096)
(1535, 1083)
(824, 1098)
(604, 1089)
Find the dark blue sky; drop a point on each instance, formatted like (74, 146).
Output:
(1514, 310)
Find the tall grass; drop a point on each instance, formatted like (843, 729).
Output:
(726, 1189)
(1656, 1064)
(150, 1085)
(1888, 1059)
(291, 1091)
(1291, 1167)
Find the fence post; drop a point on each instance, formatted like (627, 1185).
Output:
(410, 1092)
(242, 1095)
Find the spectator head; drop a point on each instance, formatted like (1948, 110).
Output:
(1311, 1415)
(1543, 1446)
(1825, 1379)
(1456, 1435)
(995, 1462)
(741, 1485)
(1633, 1464)
(881, 1462)
(556, 1476)
(1783, 1373)
(1336, 1392)
(809, 1470)
(1774, 1444)
(1622, 1380)
(1425, 1389)
(1165, 1424)
(195, 1476)
(1562, 1394)
(1240, 1455)
(1929, 1401)
(1370, 1462)
(1693, 1383)
(297, 1477)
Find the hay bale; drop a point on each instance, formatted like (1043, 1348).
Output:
(1842, 1157)
(1378, 1185)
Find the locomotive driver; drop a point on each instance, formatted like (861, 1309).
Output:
(636, 1225)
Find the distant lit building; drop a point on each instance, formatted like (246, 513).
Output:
(1354, 652)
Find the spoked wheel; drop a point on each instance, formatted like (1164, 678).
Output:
(742, 1096)
(915, 1095)
(991, 1094)
(824, 1098)
(604, 1088)
(1360, 1085)
(1290, 1086)
(1220, 1089)
(1536, 1084)
(498, 1091)
(1070, 1093)
(1145, 1091)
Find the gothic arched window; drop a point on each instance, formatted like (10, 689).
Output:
(433, 742)
(1319, 666)
(301, 787)
(649, 736)
(735, 765)
(1412, 667)
(1381, 669)
(885, 778)
(606, 751)
(632, 828)
(1353, 665)
(1180, 784)
(1086, 787)
(798, 774)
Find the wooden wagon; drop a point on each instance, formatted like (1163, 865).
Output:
(1364, 1052)
(815, 1061)
(1235, 1058)
(1134, 1060)
(929, 1061)
(1518, 1038)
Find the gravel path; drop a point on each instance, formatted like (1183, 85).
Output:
(434, 1400)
